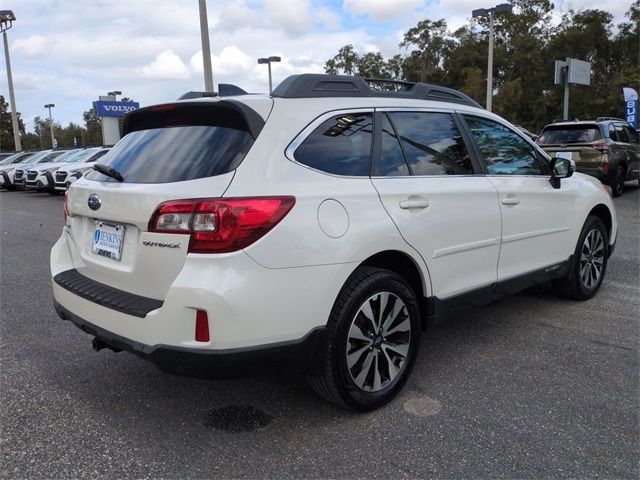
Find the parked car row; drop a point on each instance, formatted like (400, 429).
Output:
(51, 171)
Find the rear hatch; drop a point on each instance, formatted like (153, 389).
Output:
(583, 143)
(176, 151)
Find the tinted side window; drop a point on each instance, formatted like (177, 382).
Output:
(622, 134)
(432, 143)
(633, 135)
(504, 152)
(613, 135)
(341, 145)
(392, 162)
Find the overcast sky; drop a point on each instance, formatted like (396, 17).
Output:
(68, 52)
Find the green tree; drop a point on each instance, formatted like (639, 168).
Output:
(429, 45)
(93, 128)
(526, 43)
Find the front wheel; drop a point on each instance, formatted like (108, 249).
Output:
(589, 264)
(373, 340)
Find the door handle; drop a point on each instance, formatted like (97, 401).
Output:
(510, 200)
(414, 203)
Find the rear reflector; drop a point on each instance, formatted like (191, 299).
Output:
(202, 326)
(220, 225)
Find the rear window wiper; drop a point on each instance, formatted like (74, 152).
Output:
(109, 172)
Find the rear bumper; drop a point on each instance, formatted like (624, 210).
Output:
(303, 355)
(597, 172)
(250, 308)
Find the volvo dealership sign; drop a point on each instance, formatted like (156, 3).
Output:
(111, 108)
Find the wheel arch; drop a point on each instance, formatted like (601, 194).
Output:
(409, 269)
(603, 213)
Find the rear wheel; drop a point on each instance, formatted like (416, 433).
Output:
(373, 339)
(617, 181)
(590, 262)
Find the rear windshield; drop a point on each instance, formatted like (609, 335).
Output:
(175, 154)
(563, 134)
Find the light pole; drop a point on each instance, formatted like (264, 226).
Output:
(488, 12)
(6, 22)
(269, 61)
(53, 140)
(206, 49)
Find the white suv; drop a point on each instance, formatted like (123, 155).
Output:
(321, 228)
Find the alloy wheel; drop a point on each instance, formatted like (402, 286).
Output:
(619, 180)
(592, 259)
(378, 342)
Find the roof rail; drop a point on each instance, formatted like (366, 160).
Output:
(600, 119)
(312, 85)
(224, 90)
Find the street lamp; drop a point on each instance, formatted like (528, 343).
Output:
(206, 48)
(269, 61)
(6, 22)
(50, 106)
(488, 12)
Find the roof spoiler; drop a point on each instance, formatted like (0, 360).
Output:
(224, 90)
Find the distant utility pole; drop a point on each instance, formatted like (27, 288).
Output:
(53, 139)
(268, 61)
(489, 12)
(206, 49)
(571, 71)
(6, 22)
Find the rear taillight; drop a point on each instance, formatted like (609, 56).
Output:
(220, 225)
(602, 147)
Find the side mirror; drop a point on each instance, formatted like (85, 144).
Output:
(561, 168)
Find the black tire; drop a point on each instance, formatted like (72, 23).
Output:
(573, 285)
(617, 181)
(335, 383)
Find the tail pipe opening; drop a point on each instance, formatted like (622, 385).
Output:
(98, 345)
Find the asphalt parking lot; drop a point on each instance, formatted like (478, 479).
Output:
(533, 386)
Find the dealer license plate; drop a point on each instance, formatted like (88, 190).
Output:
(108, 239)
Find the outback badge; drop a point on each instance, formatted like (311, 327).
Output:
(94, 202)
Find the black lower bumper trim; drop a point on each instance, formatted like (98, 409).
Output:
(106, 296)
(304, 355)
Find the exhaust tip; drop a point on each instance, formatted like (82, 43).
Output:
(98, 345)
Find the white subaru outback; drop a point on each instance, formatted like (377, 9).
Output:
(321, 228)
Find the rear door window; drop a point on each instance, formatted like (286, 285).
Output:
(392, 162)
(341, 145)
(621, 133)
(633, 135)
(566, 134)
(432, 143)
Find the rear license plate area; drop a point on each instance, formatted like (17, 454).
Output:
(108, 239)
